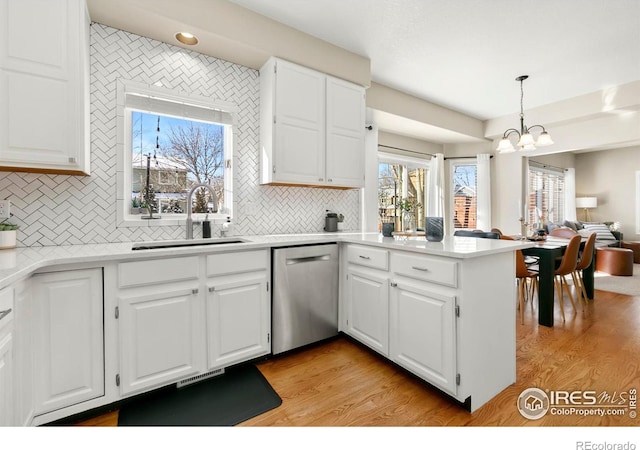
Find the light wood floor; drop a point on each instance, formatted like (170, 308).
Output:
(341, 383)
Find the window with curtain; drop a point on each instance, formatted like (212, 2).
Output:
(464, 201)
(545, 202)
(402, 187)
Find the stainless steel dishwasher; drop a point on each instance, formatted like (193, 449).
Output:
(305, 295)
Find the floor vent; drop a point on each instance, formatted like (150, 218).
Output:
(195, 379)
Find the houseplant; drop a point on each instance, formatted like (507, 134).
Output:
(8, 233)
(340, 222)
(135, 206)
(409, 207)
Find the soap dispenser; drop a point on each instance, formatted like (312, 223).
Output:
(206, 228)
(226, 226)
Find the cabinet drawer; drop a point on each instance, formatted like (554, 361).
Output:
(154, 271)
(368, 256)
(226, 263)
(435, 270)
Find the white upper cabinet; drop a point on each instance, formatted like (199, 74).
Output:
(44, 84)
(311, 127)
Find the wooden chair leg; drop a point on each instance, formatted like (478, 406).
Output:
(568, 290)
(521, 291)
(558, 284)
(582, 288)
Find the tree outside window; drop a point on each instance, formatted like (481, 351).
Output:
(465, 212)
(401, 193)
(183, 153)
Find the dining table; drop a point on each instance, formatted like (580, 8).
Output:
(548, 251)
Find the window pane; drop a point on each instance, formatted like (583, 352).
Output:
(389, 193)
(171, 155)
(416, 194)
(464, 196)
(546, 198)
(401, 193)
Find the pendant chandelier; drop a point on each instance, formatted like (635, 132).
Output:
(525, 139)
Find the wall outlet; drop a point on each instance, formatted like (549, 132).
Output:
(5, 211)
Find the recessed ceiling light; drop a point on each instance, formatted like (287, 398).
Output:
(186, 38)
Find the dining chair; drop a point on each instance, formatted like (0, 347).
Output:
(523, 275)
(583, 262)
(567, 266)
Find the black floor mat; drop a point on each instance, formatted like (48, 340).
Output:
(240, 394)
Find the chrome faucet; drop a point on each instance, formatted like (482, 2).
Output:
(190, 206)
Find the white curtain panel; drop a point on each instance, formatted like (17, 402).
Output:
(570, 194)
(435, 205)
(483, 195)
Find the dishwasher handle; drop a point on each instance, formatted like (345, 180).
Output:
(307, 259)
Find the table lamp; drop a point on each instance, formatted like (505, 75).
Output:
(587, 203)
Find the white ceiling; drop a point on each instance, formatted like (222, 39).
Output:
(460, 54)
(466, 54)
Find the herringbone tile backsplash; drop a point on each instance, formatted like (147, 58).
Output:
(64, 210)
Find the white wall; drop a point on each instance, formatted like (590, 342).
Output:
(609, 175)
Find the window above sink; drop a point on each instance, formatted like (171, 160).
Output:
(170, 142)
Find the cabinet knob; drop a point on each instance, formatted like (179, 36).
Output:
(211, 289)
(330, 180)
(194, 291)
(394, 284)
(320, 179)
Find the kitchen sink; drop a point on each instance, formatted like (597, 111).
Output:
(185, 243)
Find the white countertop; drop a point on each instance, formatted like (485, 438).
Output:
(19, 263)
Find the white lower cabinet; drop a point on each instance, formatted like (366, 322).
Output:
(68, 349)
(423, 333)
(23, 361)
(368, 307)
(366, 292)
(414, 308)
(237, 319)
(183, 317)
(159, 315)
(238, 307)
(6, 357)
(160, 336)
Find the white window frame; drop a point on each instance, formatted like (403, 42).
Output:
(408, 161)
(559, 214)
(452, 165)
(123, 145)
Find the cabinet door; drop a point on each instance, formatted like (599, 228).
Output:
(6, 357)
(368, 309)
(44, 115)
(68, 338)
(299, 154)
(238, 319)
(23, 351)
(160, 336)
(345, 133)
(423, 333)
(6, 380)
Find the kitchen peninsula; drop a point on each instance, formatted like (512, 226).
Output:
(444, 311)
